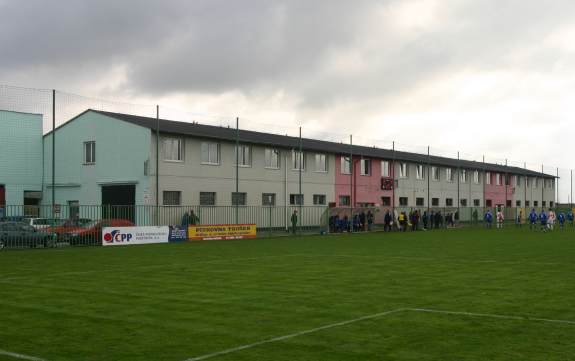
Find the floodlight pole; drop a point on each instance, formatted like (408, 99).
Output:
(300, 203)
(458, 183)
(571, 189)
(157, 165)
(351, 182)
(428, 179)
(237, 168)
(393, 180)
(53, 151)
(542, 185)
(557, 188)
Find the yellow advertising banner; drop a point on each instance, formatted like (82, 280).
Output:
(221, 231)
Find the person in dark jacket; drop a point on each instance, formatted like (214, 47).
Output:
(293, 222)
(387, 221)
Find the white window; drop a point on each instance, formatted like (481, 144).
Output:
(365, 165)
(321, 163)
(419, 171)
(449, 174)
(319, 199)
(268, 199)
(296, 199)
(298, 160)
(488, 178)
(535, 182)
(344, 200)
(210, 153)
(173, 149)
(476, 177)
(345, 165)
(526, 181)
(207, 198)
(384, 168)
(172, 198)
(463, 175)
(244, 157)
(517, 180)
(90, 152)
(239, 199)
(435, 173)
(272, 158)
(403, 170)
(497, 179)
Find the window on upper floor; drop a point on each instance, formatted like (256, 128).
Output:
(321, 163)
(488, 178)
(385, 168)
(272, 158)
(173, 149)
(244, 155)
(403, 170)
(210, 153)
(345, 165)
(476, 176)
(90, 152)
(449, 174)
(298, 160)
(365, 167)
(497, 179)
(435, 173)
(463, 175)
(419, 171)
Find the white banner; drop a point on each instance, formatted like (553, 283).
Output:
(118, 236)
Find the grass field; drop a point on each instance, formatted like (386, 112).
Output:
(467, 294)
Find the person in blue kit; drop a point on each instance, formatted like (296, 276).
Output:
(543, 220)
(533, 219)
(488, 218)
(570, 217)
(561, 219)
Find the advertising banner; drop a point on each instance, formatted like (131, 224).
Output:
(178, 233)
(221, 231)
(118, 236)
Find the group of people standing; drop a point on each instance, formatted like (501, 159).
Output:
(360, 222)
(544, 221)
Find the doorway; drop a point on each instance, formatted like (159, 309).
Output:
(118, 201)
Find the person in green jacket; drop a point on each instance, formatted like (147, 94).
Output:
(293, 221)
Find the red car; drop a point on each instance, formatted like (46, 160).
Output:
(68, 225)
(91, 233)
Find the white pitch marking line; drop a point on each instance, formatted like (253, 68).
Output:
(489, 315)
(292, 335)
(20, 356)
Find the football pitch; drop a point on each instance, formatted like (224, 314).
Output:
(465, 294)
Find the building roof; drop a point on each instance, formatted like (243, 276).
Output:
(284, 141)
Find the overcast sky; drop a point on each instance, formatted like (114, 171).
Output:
(492, 77)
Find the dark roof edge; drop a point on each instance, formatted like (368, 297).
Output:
(434, 159)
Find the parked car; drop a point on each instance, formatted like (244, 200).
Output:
(22, 235)
(91, 233)
(68, 225)
(42, 223)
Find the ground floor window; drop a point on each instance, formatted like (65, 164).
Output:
(527, 204)
(268, 199)
(535, 204)
(517, 203)
(508, 203)
(386, 201)
(488, 203)
(476, 202)
(344, 200)
(319, 199)
(449, 202)
(207, 198)
(172, 198)
(435, 202)
(296, 199)
(463, 202)
(403, 201)
(239, 198)
(419, 201)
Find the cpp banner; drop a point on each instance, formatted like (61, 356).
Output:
(222, 231)
(118, 236)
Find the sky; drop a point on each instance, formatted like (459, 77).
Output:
(487, 77)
